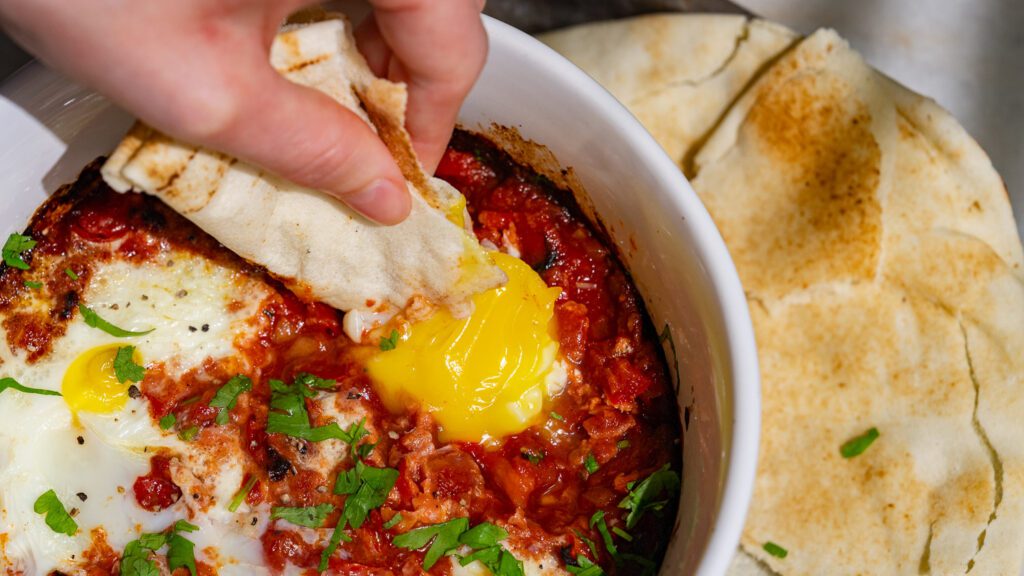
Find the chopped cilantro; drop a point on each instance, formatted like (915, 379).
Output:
(15, 246)
(227, 396)
(71, 273)
(622, 444)
(644, 496)
(483, 535)
(13, 384)
(394, 520)
(308, 516)
(857, 445)
(289, 416)
(590, 463)
(307, 379)
(240, 497)
(125, 367)
(533, 457)
(590, 543)
(135, 559)
(33, 285)
(442, 538)
(557, 416)
(597, 521)
(775, 550)
(189, 434)
(57, 517)
(584, 567)
(622, 534)
(93, 320)
(389, 343)
(167, 422)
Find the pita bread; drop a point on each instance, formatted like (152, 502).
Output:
(883, 269)
(676, 73)
(314, 243)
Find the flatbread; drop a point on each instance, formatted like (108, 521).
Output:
(676, 73)
(883, 269)
(314, 243)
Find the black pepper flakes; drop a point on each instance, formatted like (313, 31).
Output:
(81, 440)
(205, 328)
(181, 293)
(82, 496)
(134, 392)
(191, 328)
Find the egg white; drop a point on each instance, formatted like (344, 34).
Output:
(39, 436)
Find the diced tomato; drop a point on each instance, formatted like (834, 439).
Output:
(156, 491)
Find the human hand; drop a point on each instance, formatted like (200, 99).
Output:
(198, 70)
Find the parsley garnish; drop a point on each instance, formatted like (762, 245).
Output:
(93, 320)
(189, 434)
(584, 567)
(71, 273)
(238, 498)
(643, 495)
(307, 379)
(590, 463)
(857, 445)
(227, 397)
(167, 422)
(533, 457)
(367, 488)
(441, 537)
(33, 285)
(180, 551)
(394, 520)
(57, 517)
(389, 343)
(308, 516)
(775, 550)
(13, 384)
(14, 247)
(125, 367)
(597, 520)
(289, 416)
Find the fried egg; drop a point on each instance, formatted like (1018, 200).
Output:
(485, 376)
(90, 444)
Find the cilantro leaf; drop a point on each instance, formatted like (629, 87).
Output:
(490, 556)
(227, 396)
(857, 445)
(181, 553)
(168, 421)
(57, 517)
(307, 379)
(185, 526)
(289, 416)
(13, 384)
(557, 416)
(33, 285)
(389, 343)
(308, 516)
(14, 247)
(483, 535)
(71, 273)
(622, 534)
(125, 367)
(135, 560)
(775, 550)
(590, 543)
(394, 520)
(240, 497)
(590, 463)
(584, 567)
(444, 538)
(644, 495)
(597, 520)
(189, 434)
(93, 320)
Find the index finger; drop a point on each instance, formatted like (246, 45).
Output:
(439, 48)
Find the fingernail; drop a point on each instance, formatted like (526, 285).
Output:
(382, 201)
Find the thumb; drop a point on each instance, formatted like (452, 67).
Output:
(306, 137)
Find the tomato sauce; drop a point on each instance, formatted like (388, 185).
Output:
(616, 421)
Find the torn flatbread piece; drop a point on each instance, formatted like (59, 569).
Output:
(314, 243)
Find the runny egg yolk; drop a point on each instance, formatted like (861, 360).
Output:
(90, 383)
(484, 376)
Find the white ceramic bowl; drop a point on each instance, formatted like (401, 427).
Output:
(50, 128)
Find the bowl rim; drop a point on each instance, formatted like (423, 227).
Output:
(741, 464)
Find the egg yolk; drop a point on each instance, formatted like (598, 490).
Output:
(484, 376)
(90, 384)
